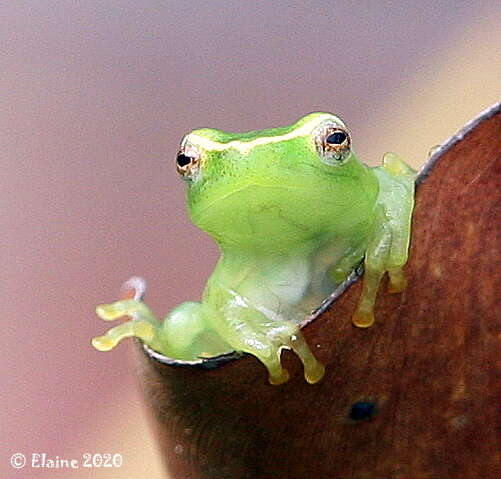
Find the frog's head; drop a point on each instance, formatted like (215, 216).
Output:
(282, 184)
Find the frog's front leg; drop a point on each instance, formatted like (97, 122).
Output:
(399, 203)
(375, 262)
(286, 335)
(388, 246)
(266, 342)
(263, 334)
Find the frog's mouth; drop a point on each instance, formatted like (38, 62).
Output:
(208, 208)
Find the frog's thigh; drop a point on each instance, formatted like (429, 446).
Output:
(182, 325)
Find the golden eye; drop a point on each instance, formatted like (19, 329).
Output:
(333, 144)
(183, 160)
(187, 161)
(336, 140)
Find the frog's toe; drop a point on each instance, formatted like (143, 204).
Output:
(398, 281)
(396, 166)
(315, 374)
(279, 378)
(108, 312)
(313, 369)
(137, 328)
(276, 373)
(103, 343)
(363, 319)
(396, 287)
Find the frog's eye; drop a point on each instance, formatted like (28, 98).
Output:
(187, 161)
(336, 138)
(333, 143)
(183, 160)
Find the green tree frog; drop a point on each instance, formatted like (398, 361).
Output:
(294, 212)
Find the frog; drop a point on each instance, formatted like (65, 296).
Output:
(293, 212)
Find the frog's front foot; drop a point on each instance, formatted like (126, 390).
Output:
(276, 373)
(364, 314)
(313, 369)
(388, 247)
(266, 338)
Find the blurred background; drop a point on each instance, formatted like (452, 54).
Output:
(95, 97)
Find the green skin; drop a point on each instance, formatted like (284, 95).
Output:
(293, 215)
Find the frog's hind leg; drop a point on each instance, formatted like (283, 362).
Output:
(185, 334)
(144, 325)
(182, 335)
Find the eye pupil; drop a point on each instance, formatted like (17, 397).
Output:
(336, 138)
(183, 160)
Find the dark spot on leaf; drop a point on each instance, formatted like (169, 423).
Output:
(362, 410)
